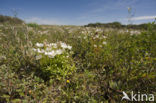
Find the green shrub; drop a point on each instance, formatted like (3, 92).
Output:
(55, 60)
(34, 25)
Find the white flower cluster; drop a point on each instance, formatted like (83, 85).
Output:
(39, 45)
(65, 46)
(51, 50)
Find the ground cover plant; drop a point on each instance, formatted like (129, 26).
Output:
(75, 64)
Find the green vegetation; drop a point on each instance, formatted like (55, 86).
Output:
(10, 20)
(34, 25)
(118, 25)
(46, 64)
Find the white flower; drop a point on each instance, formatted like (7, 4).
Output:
(54, 45)
(83, 32)
(69, 47)
(104, 43)
(46, 53)
(39, 45)
(97, 36)
(59, 51)
(34, 49)
(50, 54)
(85, 37)
(104, 37)
(48, 49)
(65, 46)
(38, 57)
(95, 45)
(40, 51)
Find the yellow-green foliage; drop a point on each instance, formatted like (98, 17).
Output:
(60, 67)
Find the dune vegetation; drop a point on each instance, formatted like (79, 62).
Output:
(74, 64)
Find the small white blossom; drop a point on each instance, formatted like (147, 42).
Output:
(104, 43)
(85, 37)
(97, 36)
(40, 51)
(50, 54)
(34, 49)
(39, 45)
(69, 47)
(95, 45)
(104, 37)
(38, 57)
(59, 51)
(48, 49)
(63, 45)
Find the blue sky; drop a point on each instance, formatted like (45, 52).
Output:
(80, 12)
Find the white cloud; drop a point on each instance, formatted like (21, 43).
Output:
(143, 18)
(43, 21)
